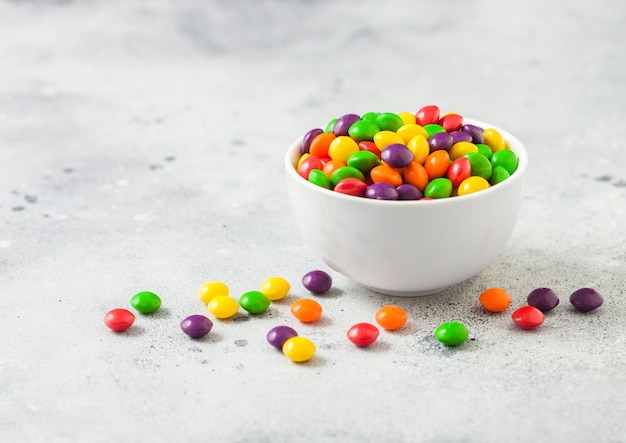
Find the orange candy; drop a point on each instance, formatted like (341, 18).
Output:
(306, 310)
(321, 143)
(391, 317)
(387, 174)
(416, 175)
(437, 164)
(331, 166)
(495, 299)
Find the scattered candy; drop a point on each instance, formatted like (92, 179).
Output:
(586, 299)
(119, 319)
(146, 302)
(391, 317)
(275, 288)
(223, 306)
(527, 317)
(363, 334)
(278, 335)
(544, 299)
(255, 302)
(196, 326)
(299, 349)
(495, 299)
(306, 310)
(405, 148)
(317, 282)
(451, 333)
(212, 289)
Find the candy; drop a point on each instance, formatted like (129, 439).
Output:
(146, 302)
(527, 317)
(119, 319)
(196, 326)
(495, 299)
(391, 317)
(586, 299)
(343, 124)
(405, 149)
(397, 155)
(306, 310)
(544, 299)
(317, 282)
(255, 302)
(407, 191)
(382, 191)
(299, 349)
(278, 335)
(223, 306)
(451, 333)
(275, 288)
(212, 289)
(363, 334)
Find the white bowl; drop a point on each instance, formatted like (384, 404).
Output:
(408, 248)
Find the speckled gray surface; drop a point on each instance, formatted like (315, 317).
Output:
(141, 149)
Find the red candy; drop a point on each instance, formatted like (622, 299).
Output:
(459, 170)
(308, 164)
(369, 146)
(451, 122)
(427, 115)
(351, 186)
(527, 317)
(119, 319)
(363, 334)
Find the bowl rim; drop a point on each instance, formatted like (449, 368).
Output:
(293, 154)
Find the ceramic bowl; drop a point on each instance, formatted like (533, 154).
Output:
(408, 248)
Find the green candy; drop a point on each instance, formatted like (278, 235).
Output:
(484, 150)
(498, 175)
(433, 129)
(346, 172)
(146, 302)
(451, 333)
(370, 116)
(319, 178)
(438, 188)
(388, 121)
(505, 158)
(364, 161)
(363, 130)
(330, 125)
(481, 166)
(254, 302)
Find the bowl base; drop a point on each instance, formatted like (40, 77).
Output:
(406, 293)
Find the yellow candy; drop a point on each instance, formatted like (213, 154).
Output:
(494, 139)
(407, 117)
(408, 131)
(275, 288)
(472, 184)
(223, 306)
(299, 349)
(461, 148)
(212, 289)
(342, 147)
(418, 145)
(383, 139)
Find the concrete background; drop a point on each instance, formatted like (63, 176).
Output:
(141, 148)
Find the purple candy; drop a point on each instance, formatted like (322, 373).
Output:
(308, 138)
(460, 136)
(196, 326)
(382, 191)
(475, 132)
(317, 281)
(397, 155)
(343, 123)
(440, 141)
(586, 299)
(544, 299)
(279, 335)
(408, 192)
